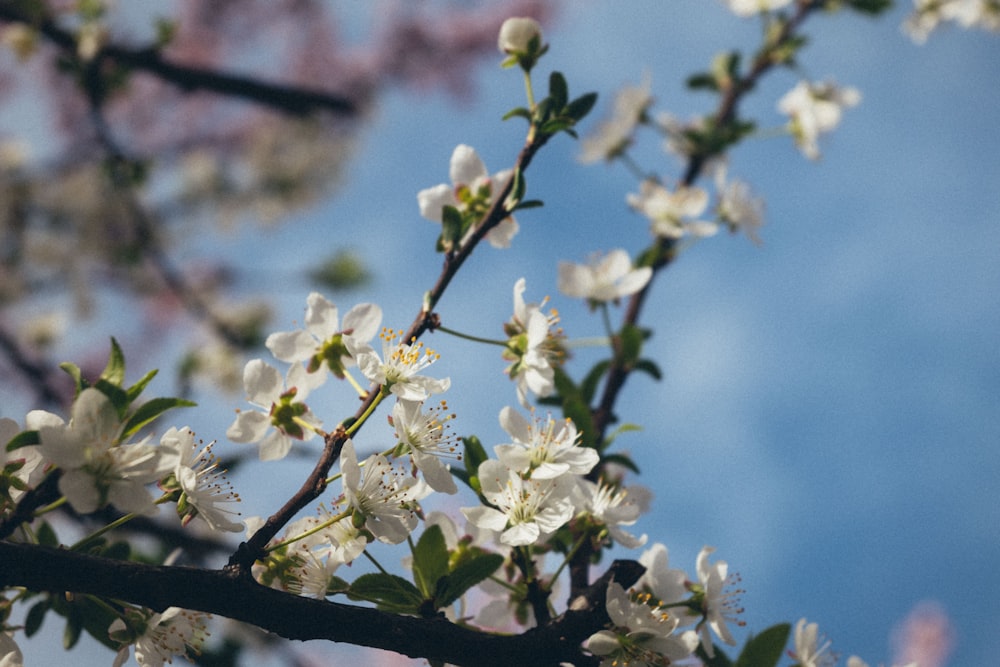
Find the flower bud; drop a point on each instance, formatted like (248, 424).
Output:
(516, 35)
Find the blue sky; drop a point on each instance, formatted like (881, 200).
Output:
(829, 414)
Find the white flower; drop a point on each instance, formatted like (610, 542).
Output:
(642, 635)
(526, 510)
(738, 209)
(10, 653)
(614, 507)
(669, 211)
(96, 468)
(927, 14)
(425, 438)
(533, 347)
(321, 343)
(397, 369)
(517, 33)
(815, 108)
(166, 635)
(25, 466)
(472, 193)
(204, 486)
(669, 586)
(543, 450)
(807, 651)
(855, 661)
(313, 577)
(282, 407)
(614, 135)
(383, 497)
(606, 278)
(718, 603)
(751, 7)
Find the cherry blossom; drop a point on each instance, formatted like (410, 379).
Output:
(205, 489)
(424, 436)
(543, 450)
(397, 369)
(603, 278)
(172, 633)
(719, 603)
(815, 108)
(669, 212)
(808, 652)
(322, 342)
(614, 135)
(383, 497)
(752, 7)
(533, 347)
(614, 507)
(282, 406)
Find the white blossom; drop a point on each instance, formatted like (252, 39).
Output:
(603, 278)
(751, 7)
(206, 491)
(614, 507)
(738, 209)
(425, 437)
(719, 601)
(543, 449)
(517, 33)
(97, 469)
(641, 634)
(670, 212)
(533, 347)
(282, 407)
(166, 635)
(525, 510)
(383, 496)
(808, 651)
(322, 342)
(398, 368)
(472, 192)
(614, 135)
(815, 108)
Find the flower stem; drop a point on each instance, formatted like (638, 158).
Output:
(312, 531)
(476, 339)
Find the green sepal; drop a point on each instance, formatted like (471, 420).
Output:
(765, 649)
(23, 439)
(74, 372)
(430, 560)
(451, 228)
(114, 371)
(388, 592)
(466, 575)
(136, 389)
(152, 409)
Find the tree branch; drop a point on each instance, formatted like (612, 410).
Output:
(287, 99)
(293, 617)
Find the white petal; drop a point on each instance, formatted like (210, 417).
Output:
(433, 200)
(321, 316)
(363, 321)
(262, 383)
(485, 517)
(291, 346)
(516, 425)
(250, 426)
(466, 166)
(274, 446)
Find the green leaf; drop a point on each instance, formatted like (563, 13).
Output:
(74, 625)
(46, 535)
(451, 228)
(152, 409)
(765, 649)
(555, 125)
(577, 410)
(702, 81)
(388, 592)
(631, 340)
(581, 106)
(114, 372)
(474, 454)
(720, 659)
(648, 367)
(872, 7)
(35, 616)
(466, 575)
(23, 439)
(518, 112)
(589, 385)
(136, 389)
(530, 203)
(430, 560)
(558, 90)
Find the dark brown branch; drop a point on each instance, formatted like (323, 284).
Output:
(43, 569)
(286, 99)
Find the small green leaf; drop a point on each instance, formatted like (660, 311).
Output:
(35, 616)
(581, 106)
(474, 454)
(589, 385)
(451, 227)
(466, 575)
(577, 410)
(622, 460)
(529, 203)
(555, 125)
(152, 409)
(558, 90)
(430, 560)
(765, 649)
(631, 340)
(46, 535)
(387, 591)
(872, 7)
(114, 372)
(23, 439)
(720, 659)
(702, 81)
(648, 367)
(74, 625)
(518, 112)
